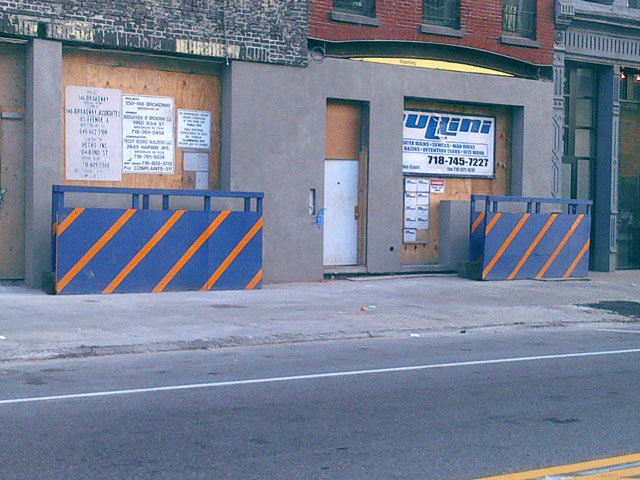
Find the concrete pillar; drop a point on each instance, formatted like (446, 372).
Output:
(43, 152)
(225, 127)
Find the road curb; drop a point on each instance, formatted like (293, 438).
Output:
(86, 351)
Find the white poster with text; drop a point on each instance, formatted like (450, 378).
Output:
(148, 134)
(448, 144)
(194, 129)
(93, 134)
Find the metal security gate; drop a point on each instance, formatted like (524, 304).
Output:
(112, 250)
(528, 243)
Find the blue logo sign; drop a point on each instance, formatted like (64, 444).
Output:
(436, 126)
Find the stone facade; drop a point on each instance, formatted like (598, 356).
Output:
(269, 31)
(604, 36)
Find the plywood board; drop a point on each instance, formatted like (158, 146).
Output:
(12, 171)
(12, 213)
(12, 77)
(462, 188)
(342, 141)
(192, 85)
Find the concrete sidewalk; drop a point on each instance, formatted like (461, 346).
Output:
(38, 326)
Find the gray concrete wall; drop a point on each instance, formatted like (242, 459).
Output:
(277, 146)
(454, 225)
(43, 152)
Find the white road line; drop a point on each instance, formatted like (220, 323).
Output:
(313, 376)
(616, 330)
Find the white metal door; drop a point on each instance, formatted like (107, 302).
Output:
(340, 201)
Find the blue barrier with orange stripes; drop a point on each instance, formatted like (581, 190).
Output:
(110, 250)
(530, 244)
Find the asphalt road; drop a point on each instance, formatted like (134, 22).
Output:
(469, 406)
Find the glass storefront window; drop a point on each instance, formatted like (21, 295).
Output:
(628, 235)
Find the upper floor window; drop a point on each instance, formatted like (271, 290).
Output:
(519, 18)
(444, 13)
(366, 8)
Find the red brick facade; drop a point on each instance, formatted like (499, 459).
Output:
(480, 21)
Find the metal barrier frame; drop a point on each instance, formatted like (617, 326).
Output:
(492, 205)
(58, 191)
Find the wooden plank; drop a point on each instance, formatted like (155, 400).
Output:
(462, 188)
(12, 214)
(342, 140)
(155, 76)
(12, 77)
(12, 173)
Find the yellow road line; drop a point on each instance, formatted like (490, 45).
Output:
(571, 468)
(621, 474)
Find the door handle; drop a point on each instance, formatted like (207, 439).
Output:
(356, 212)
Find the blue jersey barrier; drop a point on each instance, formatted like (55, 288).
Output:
(531, 244)
(135, 250)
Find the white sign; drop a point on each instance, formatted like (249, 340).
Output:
(147, 132)
(410, 235)
(437, 186)
(416, 207)
(448, 144)
(202, 180)
(194, 129)
(196, 161)
(93, 134)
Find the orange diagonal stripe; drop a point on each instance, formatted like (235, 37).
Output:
(477, 222)
(75, 213)
(533, 246)
(576, 260)
(232, 256)
(559, 247)
(92, 252)
(118, 279)
(254, 281)
(204, 236)
(505, 245)
(492, 223)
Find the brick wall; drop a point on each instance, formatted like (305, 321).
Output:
(272, 31)
(480, 20)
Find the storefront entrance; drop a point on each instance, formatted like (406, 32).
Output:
(629, 172)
